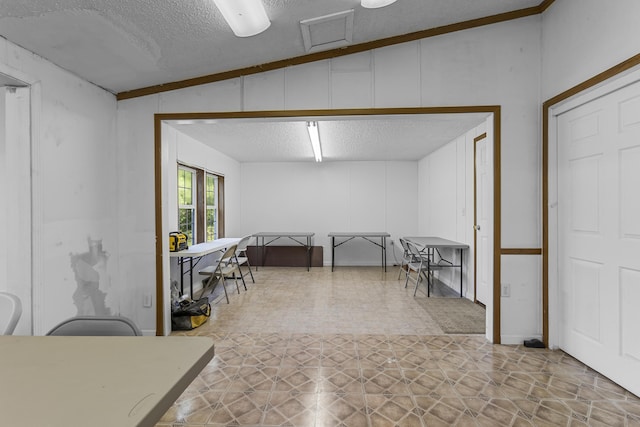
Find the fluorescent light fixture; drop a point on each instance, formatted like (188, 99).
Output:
(372, 4)
(245, 17)
(314, 136)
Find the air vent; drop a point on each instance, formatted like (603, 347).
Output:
(327, 32)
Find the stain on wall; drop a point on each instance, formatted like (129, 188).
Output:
(90, 269)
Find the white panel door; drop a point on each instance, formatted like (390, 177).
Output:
(599, 234)
(483, 200)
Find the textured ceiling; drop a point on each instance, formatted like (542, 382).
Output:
(371, 138)
(126, 45)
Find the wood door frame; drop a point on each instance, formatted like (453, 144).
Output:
(475, 218)
(162, 245)
(548, 106)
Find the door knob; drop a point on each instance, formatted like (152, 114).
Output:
(476, 227)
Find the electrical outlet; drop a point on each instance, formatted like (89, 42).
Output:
(146, 300)
(506, 290)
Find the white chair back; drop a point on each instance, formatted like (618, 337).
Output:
(10, 312)
(243, 243)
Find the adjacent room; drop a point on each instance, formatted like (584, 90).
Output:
(366, 212)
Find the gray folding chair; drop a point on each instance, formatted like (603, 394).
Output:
(96, 326)
(10, 312)
(423, 267)
(406, 258)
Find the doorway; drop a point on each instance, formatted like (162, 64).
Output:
(161, 164)
(15, 196)
(482, 218)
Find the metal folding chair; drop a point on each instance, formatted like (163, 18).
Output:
(422, 264)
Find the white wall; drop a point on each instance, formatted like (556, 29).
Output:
(74, 193)
(194, 153)
(332, 197)
(497, 64)
(445, 199)
(582, 38)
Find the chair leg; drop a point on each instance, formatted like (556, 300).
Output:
(250, 273)
(242, 277)
(224, 286)
(235, 278)
(241, 273)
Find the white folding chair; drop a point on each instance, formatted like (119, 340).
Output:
(220, 270)
(242, 258)
(10, 312)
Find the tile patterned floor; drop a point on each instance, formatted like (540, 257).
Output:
(353, 348)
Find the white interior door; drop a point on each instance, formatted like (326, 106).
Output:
(483, 217)
(599, 234)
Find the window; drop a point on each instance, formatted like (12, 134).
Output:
(200, 204)
(211, 196)
(186, 203)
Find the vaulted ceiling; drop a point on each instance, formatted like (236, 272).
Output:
(138, 46)
(127, 45)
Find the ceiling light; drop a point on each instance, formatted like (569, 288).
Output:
(372, 4)
(314, 136)
(245, 17)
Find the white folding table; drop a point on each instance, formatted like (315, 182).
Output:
(198, 251)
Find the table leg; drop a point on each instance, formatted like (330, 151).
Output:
(262, 252)
(384, 253)
(191, 277)
(181, 261)
(461, 270)
(333, 251)
(428, 275)
(308, 253)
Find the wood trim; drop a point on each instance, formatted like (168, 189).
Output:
(475, 218)
(617, 69)
(497, 218)
(545, 5)
(157, 167)
(221, 221)
(335, 53)
(327, 112)
(479, 137)
(521, 251)
(200, 208)
(497, 224)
